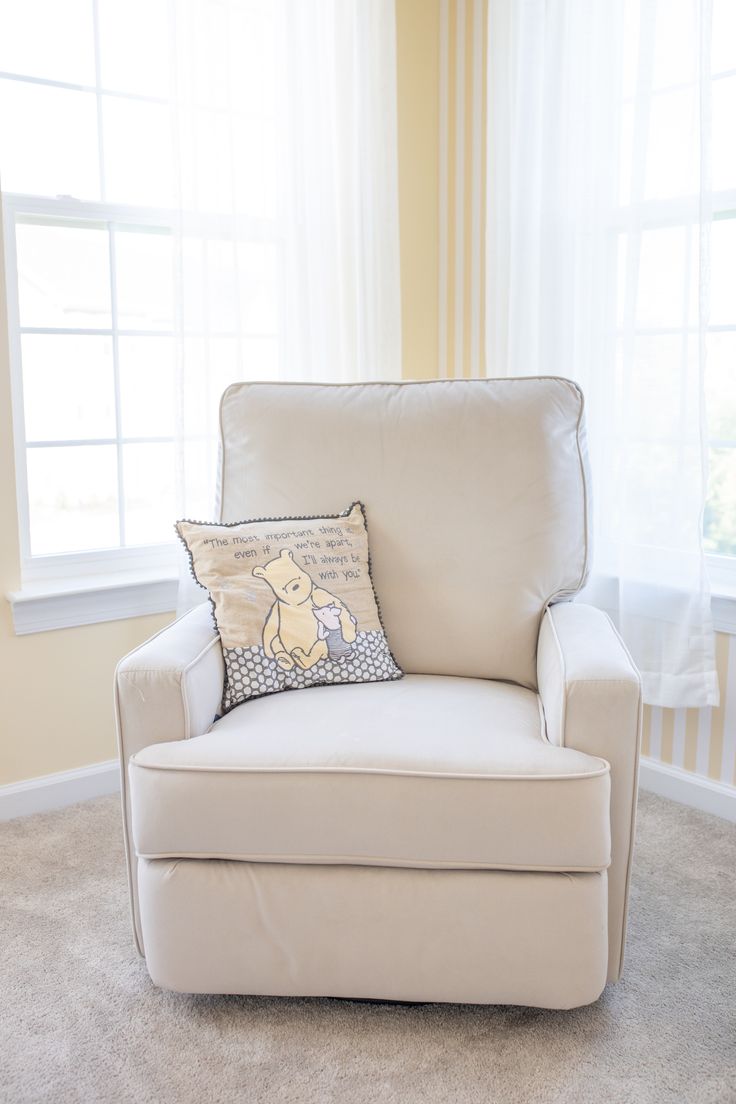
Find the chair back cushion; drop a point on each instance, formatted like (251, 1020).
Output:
(475, 496)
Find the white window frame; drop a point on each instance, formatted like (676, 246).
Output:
(71, 564)
(80, 588)
(84, 587)
(76, 588)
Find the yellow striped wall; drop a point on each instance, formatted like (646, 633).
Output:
(417, 103)
(442, 60)
(702, 741)
(461, 191)
(441, 100)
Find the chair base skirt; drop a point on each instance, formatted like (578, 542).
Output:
(481, 937)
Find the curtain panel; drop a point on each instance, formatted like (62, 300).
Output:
(597, 252)
(283, 129)
(284, 134)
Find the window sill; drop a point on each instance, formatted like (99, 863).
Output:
(40, 607)
(722, 578)
(661, 602)
(47, 605)
(723, 607)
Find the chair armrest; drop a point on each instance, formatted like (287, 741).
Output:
(169, 688)
(591, 697)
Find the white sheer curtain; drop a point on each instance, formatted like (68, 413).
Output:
(599, 215)
(285, 151)
(285, 155)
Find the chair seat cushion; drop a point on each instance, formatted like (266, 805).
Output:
(431, 771)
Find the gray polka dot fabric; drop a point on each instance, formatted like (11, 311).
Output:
(251, 674)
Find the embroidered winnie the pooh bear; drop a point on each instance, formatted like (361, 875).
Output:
(305, 623)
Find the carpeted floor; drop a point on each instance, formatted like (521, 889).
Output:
(80, 1021)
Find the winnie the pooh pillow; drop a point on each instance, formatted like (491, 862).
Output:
(293, 601)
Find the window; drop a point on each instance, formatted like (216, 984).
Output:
(122, 234)
(94, 339)
(659, 246)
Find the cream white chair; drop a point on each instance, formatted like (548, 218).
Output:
(463, 834)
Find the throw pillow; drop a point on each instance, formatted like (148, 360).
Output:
(293, 601)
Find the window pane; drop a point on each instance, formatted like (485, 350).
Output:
(138, 162)
(723, 141)
(643, 470)
(48, 141)
(221, 287)
(675, 43)
(201, 29)
(72, 496)
(672, 151)
(253, 62)
(195, 402)
(260, 358)
(134, 46)
(46, 38)
(719, 524)
(723, 273)
(68, 387)
(257, 282)
(626, 143)
(663, 386)
(723, 49)
(254, 166)
(720, 381)
(200, 478)
(192, 285)
(630, 47)
(207, 173)
(224, 369)
(668, 269)
(63, 276)
(147, 386)
(144, 269)
(240, 284)
(150, 493)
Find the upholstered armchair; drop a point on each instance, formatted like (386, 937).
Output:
(463, 834)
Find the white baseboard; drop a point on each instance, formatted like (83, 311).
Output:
(687, 788)
(54, 791)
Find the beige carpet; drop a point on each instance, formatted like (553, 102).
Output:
(80, 1021)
